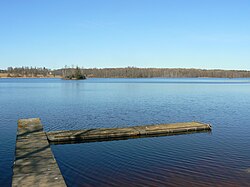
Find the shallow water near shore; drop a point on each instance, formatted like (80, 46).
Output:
(220, 158)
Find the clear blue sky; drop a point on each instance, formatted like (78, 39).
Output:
(119, 33)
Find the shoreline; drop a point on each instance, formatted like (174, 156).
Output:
(52, 77)
(59, 77)
(4, 76)
(11, 76)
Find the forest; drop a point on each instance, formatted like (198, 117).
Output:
(127, 72)
(27, 72)
(133, 72)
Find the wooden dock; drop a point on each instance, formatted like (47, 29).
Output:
(107, 134)
(34, 162)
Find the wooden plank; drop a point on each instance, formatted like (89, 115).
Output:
(34, 161)
(104, 134)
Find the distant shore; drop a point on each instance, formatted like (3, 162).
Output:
(60, 77)
(5, 76)
(127, 72)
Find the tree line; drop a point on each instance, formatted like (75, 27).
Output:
(27, 72)
(128, 72)
(134, 72)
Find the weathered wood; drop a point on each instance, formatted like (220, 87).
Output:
(104, 134)
(34, 161)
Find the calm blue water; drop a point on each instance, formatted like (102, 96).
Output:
(219, 158)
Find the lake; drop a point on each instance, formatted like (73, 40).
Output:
(220, 158)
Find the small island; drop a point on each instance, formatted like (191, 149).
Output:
(73, 74)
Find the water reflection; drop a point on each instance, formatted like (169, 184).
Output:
(217, 159)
